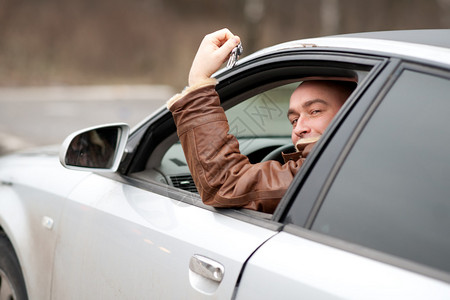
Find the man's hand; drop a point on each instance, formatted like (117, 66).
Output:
(214, 50)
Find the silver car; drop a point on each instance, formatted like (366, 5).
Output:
(114, 213)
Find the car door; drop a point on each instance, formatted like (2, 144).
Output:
(377, 202)
(118, 241)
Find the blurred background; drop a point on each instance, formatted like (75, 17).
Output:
(69, 64)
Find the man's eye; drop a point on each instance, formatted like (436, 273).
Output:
(315, 112)
(293, 122)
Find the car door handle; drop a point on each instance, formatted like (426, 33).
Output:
(206, 267)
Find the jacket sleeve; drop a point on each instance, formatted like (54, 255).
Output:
(223, 176)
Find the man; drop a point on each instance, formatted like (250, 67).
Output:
(223, 176)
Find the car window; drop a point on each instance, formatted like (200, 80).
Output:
(392, 192)
(256, 106)
(259, 123)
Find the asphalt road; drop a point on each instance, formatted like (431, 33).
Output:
(32, 117)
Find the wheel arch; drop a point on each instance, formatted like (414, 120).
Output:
(16, 227)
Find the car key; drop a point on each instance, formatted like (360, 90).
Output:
(234, 56)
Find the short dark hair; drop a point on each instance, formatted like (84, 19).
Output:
(347, 86)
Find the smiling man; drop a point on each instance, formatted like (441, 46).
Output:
(223, 176)
(312, 107)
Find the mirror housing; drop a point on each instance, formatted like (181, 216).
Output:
(98, 149)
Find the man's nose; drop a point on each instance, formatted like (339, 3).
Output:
(302, 127)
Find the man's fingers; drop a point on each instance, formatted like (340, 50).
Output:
(212, 53)
(230, 44)
(220, 36)
(223, 37)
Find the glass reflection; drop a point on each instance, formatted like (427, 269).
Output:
(94, 149)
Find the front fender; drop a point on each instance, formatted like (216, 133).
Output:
(33, 193)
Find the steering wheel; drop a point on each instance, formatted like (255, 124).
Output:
(276, 153)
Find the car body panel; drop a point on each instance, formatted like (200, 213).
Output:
(157, 236)
(298, 266)
(28, 197)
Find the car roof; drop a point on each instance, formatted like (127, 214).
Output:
(431, 37)
(432, 45)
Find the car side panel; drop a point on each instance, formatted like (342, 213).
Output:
(118, 241)
(31, 202)
(293, 267)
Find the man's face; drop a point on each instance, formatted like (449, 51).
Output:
(312, 107)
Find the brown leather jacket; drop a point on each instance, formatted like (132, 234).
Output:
(223, 176)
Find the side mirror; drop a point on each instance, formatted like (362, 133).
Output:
(97, 148)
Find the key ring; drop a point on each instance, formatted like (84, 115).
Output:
(234, 55)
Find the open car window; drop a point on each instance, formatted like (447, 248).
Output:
(259, 123)
(256, 107)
